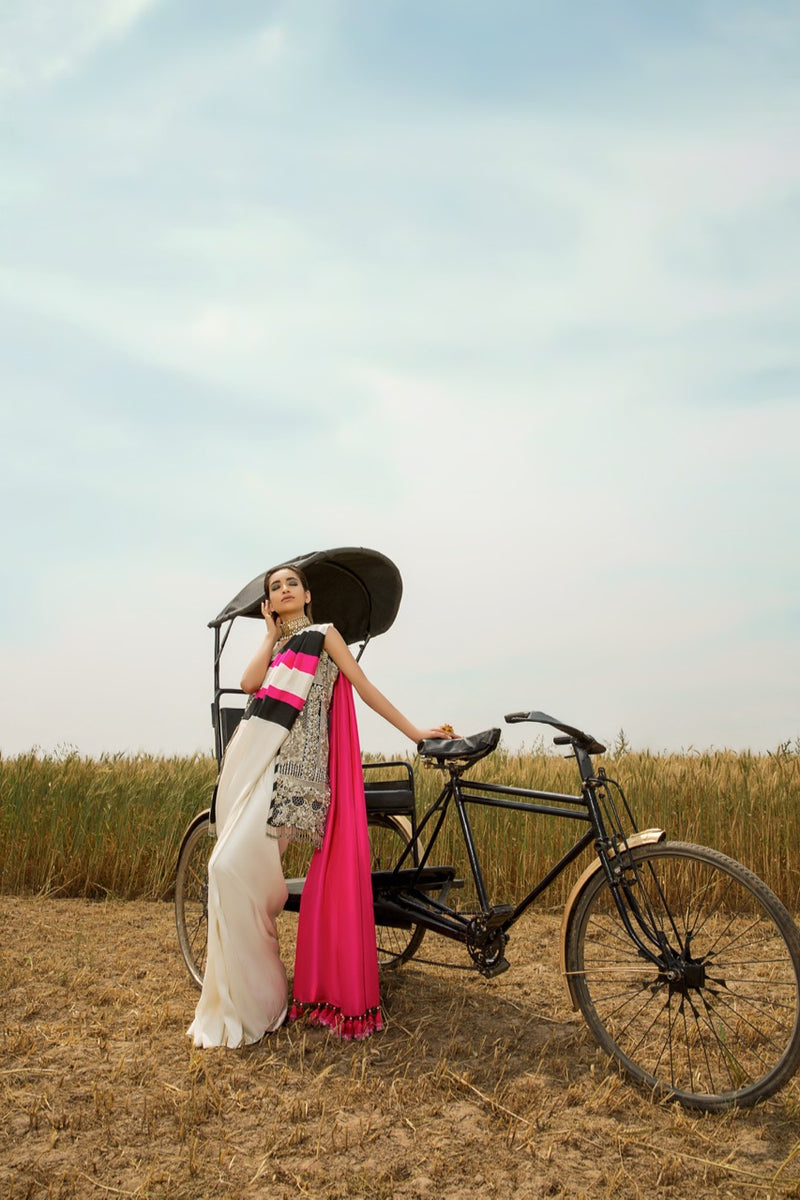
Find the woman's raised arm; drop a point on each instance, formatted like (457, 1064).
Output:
(339, 651)
(256, 669)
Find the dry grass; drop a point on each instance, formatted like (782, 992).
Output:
(97, 827)
(112, 826)
(476, 1086)
(741, 803)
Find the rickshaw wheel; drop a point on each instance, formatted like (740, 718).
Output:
(389, 835)
(191, 895)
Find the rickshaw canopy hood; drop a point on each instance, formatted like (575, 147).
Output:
(357, 589)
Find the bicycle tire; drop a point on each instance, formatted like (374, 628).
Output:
(726, 1032)
(191, 895)
(388, 837)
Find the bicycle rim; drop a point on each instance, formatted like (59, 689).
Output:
(191, 896)
(388, 838)
(717, 1025)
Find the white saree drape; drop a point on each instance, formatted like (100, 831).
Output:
(245, 990)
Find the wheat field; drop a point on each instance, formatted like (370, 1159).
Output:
(75, 826)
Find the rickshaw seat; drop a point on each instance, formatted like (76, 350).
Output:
(394, 796)
(229, 721)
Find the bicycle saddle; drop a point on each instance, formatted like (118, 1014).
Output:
(469, 749)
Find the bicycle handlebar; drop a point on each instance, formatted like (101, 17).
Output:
(574, 736)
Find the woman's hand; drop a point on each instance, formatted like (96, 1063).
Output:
(273, 621)
(441, 731)
(256, 670)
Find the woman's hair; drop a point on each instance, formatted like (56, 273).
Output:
(301, 575)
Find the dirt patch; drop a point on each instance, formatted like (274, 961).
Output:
(490, 1087)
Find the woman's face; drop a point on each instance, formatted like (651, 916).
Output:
(285, 593)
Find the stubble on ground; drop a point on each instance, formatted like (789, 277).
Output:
(475, 1087)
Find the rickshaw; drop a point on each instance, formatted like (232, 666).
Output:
(684, 965)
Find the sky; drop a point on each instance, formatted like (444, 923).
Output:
(505, 291)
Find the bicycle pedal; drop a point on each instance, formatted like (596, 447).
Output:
(497, 915)
(496, 968)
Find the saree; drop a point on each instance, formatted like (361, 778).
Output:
(245, 991)
(274, 708)
(336, 962)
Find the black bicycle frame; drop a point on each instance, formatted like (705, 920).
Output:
(440, 917)
(416, 904)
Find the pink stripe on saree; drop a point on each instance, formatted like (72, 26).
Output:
(336, 962)
(278, 694)
(297, 661)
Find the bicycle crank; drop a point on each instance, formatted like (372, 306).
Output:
(486, 944)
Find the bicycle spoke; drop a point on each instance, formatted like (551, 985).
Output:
(712, 953)
(740, 1016)
(657, 1016)
(674, 1080)
(743, 998)
(617, 931)
(728, 1054)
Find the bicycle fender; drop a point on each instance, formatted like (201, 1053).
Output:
(201, 818)
(644, 838)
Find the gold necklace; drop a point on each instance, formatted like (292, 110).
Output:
(290, 628)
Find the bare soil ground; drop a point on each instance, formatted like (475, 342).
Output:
(476, 1087)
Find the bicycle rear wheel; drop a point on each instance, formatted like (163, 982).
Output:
(191, 895)
(717, 1023)
(388, 837)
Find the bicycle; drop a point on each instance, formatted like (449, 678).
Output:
(684, 965)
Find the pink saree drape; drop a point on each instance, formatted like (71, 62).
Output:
(336, 962)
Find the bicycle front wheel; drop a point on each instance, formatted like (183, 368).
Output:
(716, 1023)
(191, 895)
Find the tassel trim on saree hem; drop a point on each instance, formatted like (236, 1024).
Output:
(333, 1019)
(291, 833)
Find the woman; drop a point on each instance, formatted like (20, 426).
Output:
(292, 771)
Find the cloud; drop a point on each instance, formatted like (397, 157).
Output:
(535, 331)
(42, 41)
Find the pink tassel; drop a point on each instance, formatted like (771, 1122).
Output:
(331, 1018)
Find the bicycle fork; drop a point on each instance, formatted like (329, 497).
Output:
(623, 873)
